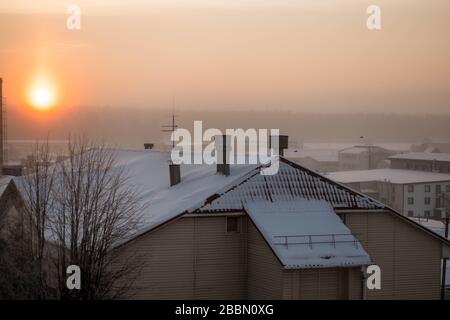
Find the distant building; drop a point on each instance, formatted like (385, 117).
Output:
(362, 157)
(423, 161)
(319, 160)
(414, 193)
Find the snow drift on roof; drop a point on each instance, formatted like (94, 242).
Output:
(307, 234)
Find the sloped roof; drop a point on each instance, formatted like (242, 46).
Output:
(290, 183)
(307, 234)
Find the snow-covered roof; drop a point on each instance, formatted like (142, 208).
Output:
(203, 190)
(435, 225)
(292, 182)
(307, 234)
(423, 156)
(148, 172)
(399, 176)
(355, 150)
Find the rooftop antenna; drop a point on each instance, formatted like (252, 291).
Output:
(173, 126)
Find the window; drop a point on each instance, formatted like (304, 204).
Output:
(438, 188)
(410, 213)
(427, 188)
(447, 188)
(427, 200)
(410, 188)
(410, 200)
(233, 224)
(438, 203)
(427, 213)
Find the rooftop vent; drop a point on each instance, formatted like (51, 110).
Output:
(222, 143)
(283, 141)
(175, 174)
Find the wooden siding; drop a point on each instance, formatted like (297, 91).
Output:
(190, 258)
(409, 259)
(324, 283)
(265, 272)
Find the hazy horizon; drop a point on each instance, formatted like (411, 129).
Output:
(239, 55)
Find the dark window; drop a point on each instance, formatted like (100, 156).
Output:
(410, 213)
(447, 188)
(427, 200)
(427, 213)
(233, 224)
(438, 188)
(410, 188)
(427, 188)
(438, 203)
(410, 200)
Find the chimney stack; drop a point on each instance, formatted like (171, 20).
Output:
(175, 174)
(1, 126)
(222, 143)
(283, 141)
(148, 146)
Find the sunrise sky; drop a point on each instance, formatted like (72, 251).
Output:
(303, 55)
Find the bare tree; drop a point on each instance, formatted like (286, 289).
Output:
(83, 206)
(37, 188)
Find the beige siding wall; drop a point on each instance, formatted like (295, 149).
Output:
(191, 258)
(326, 283)
(409, 259)
(265, 273)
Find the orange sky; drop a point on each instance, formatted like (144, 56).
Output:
(311, 55)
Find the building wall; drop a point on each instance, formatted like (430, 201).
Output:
(420, 208)
(409, 259)
(325, 283)
(422, 165)
(265, 272)
(190, 258)
(194, 258)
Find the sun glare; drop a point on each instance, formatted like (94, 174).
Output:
(42, 97)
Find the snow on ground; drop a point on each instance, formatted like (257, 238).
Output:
(316, 235)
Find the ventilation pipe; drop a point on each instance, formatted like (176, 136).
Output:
(148, 146)
(222, 144)
(283, 141)
(175, 174)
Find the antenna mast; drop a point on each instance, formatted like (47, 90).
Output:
(173, 126)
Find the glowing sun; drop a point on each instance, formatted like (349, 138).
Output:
(42, 97)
